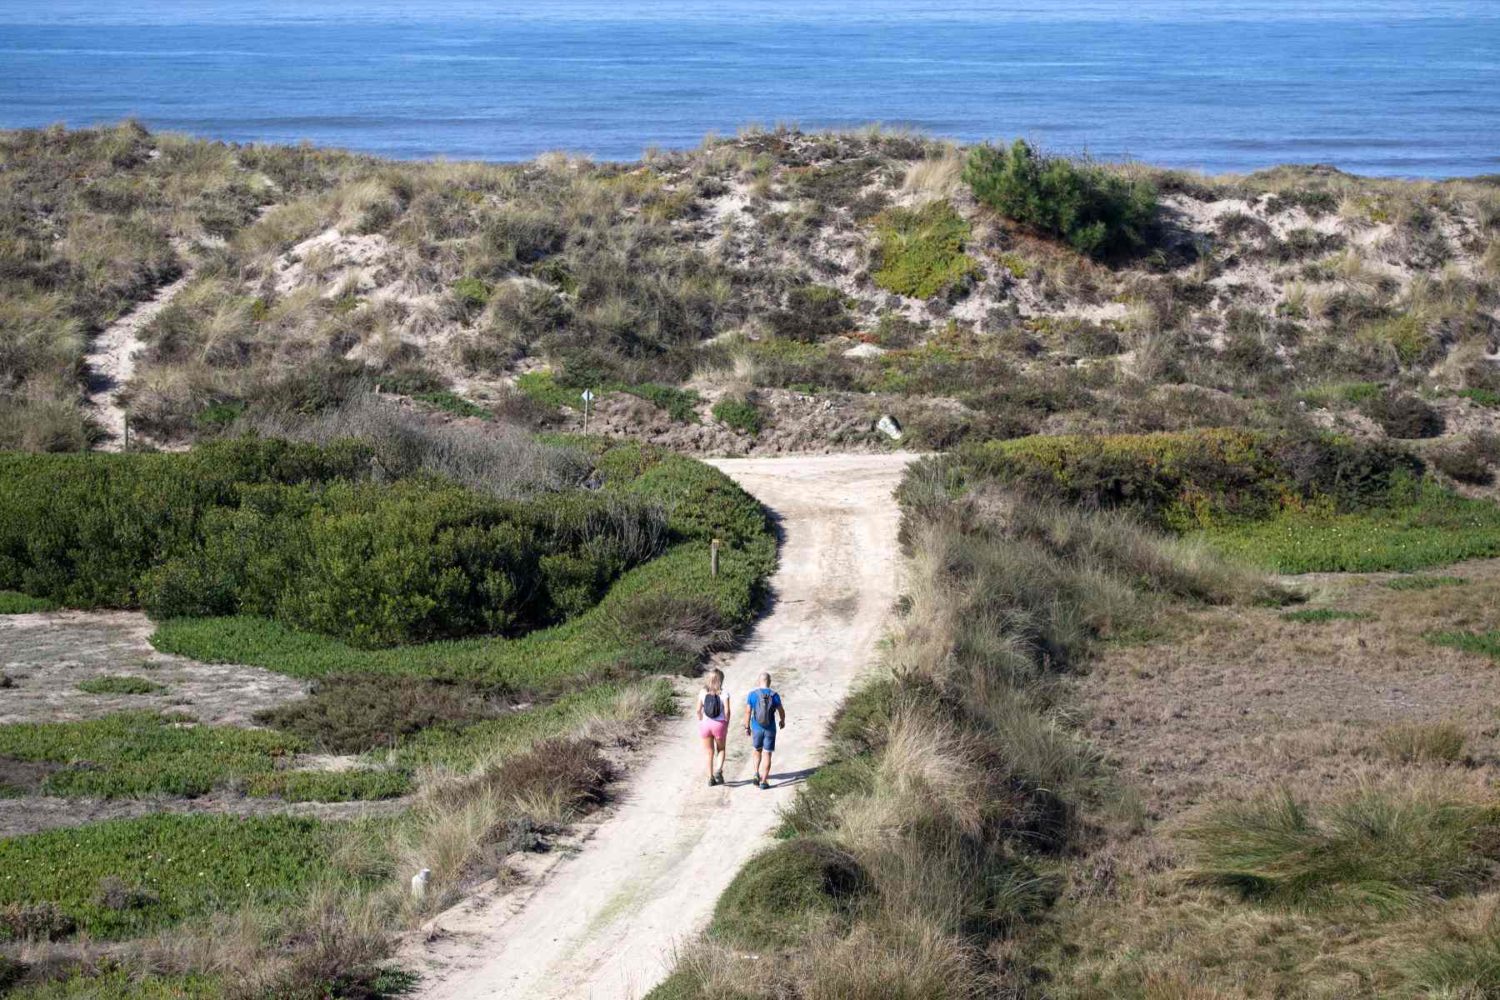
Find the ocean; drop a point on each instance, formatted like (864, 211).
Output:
(1390, 87)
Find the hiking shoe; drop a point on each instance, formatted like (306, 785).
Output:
(711, 782)
(765, 786)
(719, 778)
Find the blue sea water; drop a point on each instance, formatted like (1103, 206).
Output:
(1402, 87)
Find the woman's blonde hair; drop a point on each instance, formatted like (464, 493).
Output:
(714, 681)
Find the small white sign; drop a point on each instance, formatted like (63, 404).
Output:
(588, 395)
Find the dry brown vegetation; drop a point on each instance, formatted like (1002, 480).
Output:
(1344, 742)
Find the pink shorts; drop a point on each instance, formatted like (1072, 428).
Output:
(713, 728)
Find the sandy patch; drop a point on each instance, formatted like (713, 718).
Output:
(46, 655)
(1240, 702)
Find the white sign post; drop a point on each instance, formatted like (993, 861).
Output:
(588, 400)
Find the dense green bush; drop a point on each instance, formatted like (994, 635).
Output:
(1189, 478)
(1094, 211)
(304, 534)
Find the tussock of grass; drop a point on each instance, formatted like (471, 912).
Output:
(1383, 850)
(120, 684)
(1462, 962)
(1419, 743)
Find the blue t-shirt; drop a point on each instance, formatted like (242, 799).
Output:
(754, 699)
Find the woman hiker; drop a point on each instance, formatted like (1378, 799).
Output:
(713, 722)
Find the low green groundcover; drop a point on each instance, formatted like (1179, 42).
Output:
(164, 869)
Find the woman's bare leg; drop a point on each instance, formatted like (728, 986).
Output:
(723, 757)
(708, 743)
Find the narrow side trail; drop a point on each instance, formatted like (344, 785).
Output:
(110, 361)
(603, 922)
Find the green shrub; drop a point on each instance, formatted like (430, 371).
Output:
(741, 414)
(785, 893)
(1094, 211)
(919, 252)
(297, 532)
(701, 504)
(120, 684)
(1380, 850)
(680, 404)
(1472, 462)
(191, 866)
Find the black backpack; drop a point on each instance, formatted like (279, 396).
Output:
(713, 706)
(765, 708)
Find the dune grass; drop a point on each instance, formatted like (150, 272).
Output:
(1381, 850)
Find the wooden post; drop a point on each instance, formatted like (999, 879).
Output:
(713, 558)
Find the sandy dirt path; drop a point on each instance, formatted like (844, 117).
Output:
(603, 922)
(110, 361)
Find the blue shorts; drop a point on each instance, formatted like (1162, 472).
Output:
(764, 739)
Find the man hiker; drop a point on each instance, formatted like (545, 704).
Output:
(765, 717)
